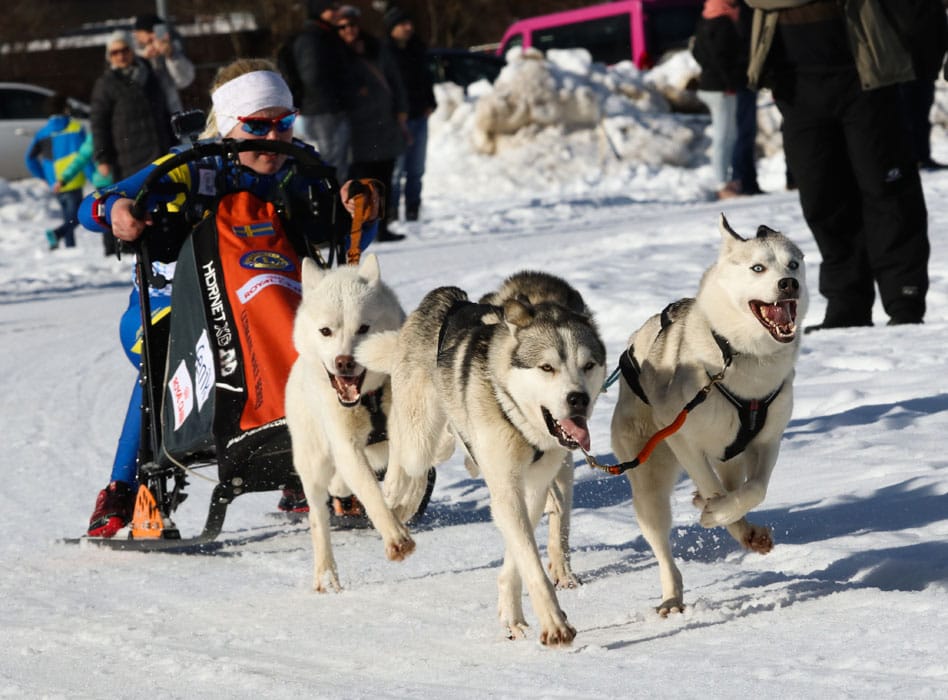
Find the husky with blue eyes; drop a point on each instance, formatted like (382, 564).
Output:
(723, 362)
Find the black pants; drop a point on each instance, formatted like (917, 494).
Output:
(860, 192)
(918, 97)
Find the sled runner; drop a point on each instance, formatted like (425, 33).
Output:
(213, 371)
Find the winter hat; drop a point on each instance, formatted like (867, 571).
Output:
(119, 36)
(146, 22)
(395, 16)
(315, 8)
(349, 12)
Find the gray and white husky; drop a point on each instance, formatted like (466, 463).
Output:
(515, 385)
(336, 407)
(743, 323)
(538, 287)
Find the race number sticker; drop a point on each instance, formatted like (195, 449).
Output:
(207, 181)
(203, 369)
(181, 394)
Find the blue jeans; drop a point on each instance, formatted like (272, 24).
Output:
(411, 166)
(69, 204)
(723, 109)
(744, 159)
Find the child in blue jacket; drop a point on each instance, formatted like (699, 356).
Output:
(49, 155)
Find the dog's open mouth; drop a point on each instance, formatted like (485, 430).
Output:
(571, 432)
(348, 388)
(780, 318)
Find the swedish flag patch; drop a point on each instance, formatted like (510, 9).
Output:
(263, 228)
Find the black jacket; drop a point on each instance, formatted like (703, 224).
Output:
(412, 62)
(722, 55)
(374, 98)
(322, 62)
(130, 122)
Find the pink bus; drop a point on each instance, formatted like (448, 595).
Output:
(641, 31)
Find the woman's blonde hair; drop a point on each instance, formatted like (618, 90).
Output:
(225, 74)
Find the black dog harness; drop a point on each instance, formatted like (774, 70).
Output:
(372, 402)
(752, 413)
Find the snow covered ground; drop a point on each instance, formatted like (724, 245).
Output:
(849, 603)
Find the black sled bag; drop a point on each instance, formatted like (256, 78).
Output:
(235, 295)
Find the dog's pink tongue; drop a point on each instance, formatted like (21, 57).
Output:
(347, 388)
(576, 428)
(780, 313)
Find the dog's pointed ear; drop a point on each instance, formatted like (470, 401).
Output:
(311, 273)
(369, 268)
(726, 231)
(764, 231)
(517, 314)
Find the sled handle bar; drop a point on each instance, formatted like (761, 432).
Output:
(225, 148)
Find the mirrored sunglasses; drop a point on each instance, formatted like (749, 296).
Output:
(261, 126)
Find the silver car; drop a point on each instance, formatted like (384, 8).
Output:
(22, 114)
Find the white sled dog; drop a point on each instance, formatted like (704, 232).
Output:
(336, 408)
(737, 342)
(515, 385)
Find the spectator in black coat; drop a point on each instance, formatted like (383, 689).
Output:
(129, 116)
(928, 55)
(322, 63)
(411, 56)
(376, 106)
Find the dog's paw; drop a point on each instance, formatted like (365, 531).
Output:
(517, 630)
(399, 549)
(333, 581)
(758, 539)
(563, 577)
(670, 606)
(560, 633)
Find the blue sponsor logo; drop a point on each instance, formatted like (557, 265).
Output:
(266, 260)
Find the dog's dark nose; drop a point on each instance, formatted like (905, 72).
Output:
(345, 364)
(578, 400)
(788, 284)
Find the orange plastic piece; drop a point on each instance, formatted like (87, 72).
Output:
(147, 522)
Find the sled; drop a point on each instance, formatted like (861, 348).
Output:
(213, 372)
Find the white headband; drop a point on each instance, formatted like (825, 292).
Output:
(247, 94)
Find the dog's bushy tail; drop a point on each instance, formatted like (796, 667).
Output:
(378, 351)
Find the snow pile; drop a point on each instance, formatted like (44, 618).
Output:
(581, 125)
(566, 92)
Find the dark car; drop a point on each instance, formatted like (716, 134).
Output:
(463, 67)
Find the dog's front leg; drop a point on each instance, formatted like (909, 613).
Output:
(323, 561)
(746, 478)
(352, 463)
(509, 506)
(559, 504)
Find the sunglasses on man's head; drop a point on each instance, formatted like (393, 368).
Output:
(261, 126)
